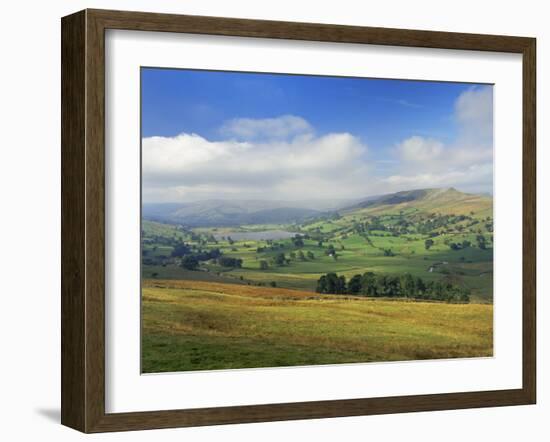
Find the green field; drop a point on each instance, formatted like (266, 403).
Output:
(194, 325)
(360, 237)
(282, 294)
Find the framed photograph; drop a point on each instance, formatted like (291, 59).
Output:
(267, 221)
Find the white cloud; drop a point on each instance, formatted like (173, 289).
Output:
(474, 113)
(474, 178)
(282, 158)
(418, 149)
(426, 154)
(190, 167)
(267, 128)
(467, 162)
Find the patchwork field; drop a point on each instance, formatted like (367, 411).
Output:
(203, 325)
(405, 276)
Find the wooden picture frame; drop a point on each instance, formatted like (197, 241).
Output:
(83, 220)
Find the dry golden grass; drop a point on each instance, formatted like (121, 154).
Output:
(197, 325)
(236, 289)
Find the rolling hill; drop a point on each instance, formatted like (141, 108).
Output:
(235, 212)
(438, 200)
(228, 213)
(231, 213)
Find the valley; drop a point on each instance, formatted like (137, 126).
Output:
(404, 276)
(434, 234)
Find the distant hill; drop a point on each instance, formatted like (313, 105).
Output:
(158, 211)
(393, 198)
(440, 200)
(228, 213)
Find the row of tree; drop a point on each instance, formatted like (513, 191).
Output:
(192, 257)
(191, 262)
(405, 286)
(280, 259)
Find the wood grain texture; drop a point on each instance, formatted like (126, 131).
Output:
(145, 21)
(529, 221)
(95, 222)
(73, 252)
(83, 220)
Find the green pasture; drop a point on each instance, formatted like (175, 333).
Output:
(378, 251)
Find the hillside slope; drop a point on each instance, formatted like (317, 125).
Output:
(193, 325)
(443, 201)
(227, 213)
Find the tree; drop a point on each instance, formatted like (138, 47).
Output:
(408, 286)
(481, 242)
(226, 261)
(341, 285)
(310, 255)
(280, 259)
(465, 296)
(428, 243)
(368, 284)
(301, 256)
(381, 285)
(190, 262)
(292, 255)
(438, 290)
(393, 286)
(180, 250)
(322, 285)
(264, 265)
(420, 287)
(298, 241)
(332, 283)
(354, 285)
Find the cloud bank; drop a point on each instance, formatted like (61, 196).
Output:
(466, 163)
(290, 162)
(282, 158)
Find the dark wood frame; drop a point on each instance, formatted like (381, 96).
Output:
(83, 217)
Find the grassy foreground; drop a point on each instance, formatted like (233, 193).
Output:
(199, 325)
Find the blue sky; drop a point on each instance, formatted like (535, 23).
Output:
(392, 127)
